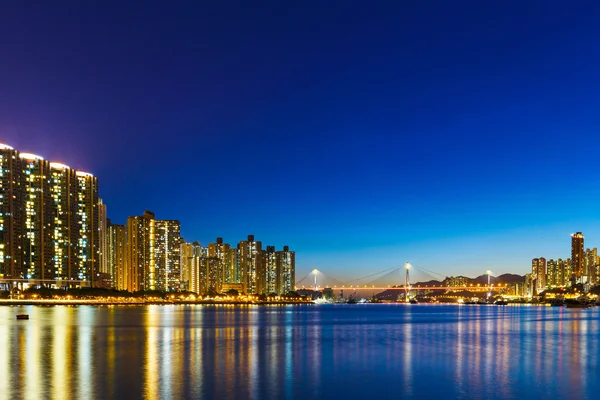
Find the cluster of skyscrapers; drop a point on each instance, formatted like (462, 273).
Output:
(54, 231)
(247, 268)
(48, 219)
(582, 268)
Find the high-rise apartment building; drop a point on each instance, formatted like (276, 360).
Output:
(87, 221)
(271, 273)
(193, 267)
(225, 267)
(577, 255)
(167, 247)
(590, 263)
(10, 213)
(561, 278)
(141, 263)
(36, 240)
(251, 265)
(286, 271)
(48, 220)
(63, 192)
(538, 273)
(117, 255)
(552, 274)
(103, 258)
(153, 258)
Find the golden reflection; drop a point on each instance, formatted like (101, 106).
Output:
(153, 314)
(177, 364)
(165, 359)
(253, 358)
(6, 346)
(30, 353)
(85, 322)
(110, 349)
(61, 352)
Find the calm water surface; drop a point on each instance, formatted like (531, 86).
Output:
(293, 352)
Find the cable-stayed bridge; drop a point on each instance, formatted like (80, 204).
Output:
(395, 278)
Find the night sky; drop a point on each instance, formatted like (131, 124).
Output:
(456, 135)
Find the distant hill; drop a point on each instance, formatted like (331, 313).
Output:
(511, 278)
(504, 278)
(482, 279)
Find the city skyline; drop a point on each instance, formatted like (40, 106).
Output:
(55, 231)
(102, 209)
(363, 138)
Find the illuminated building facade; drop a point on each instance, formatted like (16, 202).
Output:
(11, 257)
(577, 255)
(251, 265)
(214, 275)
(36, 242)
(218, 268)
(271, 273)
(538, 273)
(193, 268)
(286, 271)
(457, 281)
(153, 253)
(192, 279)
(63, 189)
(48, 220)
(87, 233)
(590, 265)
(103, 258)
(167, 247)
(141, 265)
(117, 254)
(553, 274)
(185, 262)
(226, 260)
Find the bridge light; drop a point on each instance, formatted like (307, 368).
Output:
(315, 271)
(407, 265)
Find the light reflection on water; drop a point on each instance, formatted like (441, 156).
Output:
(423, 351)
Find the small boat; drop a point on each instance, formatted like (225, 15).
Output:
(22, 316)
(321, 300)
(501, 302)
(413, 301)
(577, 303)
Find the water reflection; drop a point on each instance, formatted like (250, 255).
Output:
(291, 352)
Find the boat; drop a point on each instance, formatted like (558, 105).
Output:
(322, 300)
(413, 301)
(578, 303)
(22, 316)
(501, 302)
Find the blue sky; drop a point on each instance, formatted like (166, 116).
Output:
(460, 136)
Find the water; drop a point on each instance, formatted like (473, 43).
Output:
(293, 352)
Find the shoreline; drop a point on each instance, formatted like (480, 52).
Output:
(140, 303)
